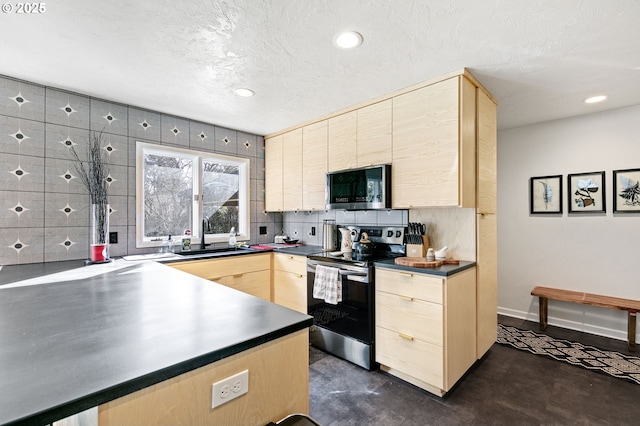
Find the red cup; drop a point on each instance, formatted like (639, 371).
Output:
(98, 252)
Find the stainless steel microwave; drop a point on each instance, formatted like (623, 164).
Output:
(367, 188)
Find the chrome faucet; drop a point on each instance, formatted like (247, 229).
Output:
(206, 226)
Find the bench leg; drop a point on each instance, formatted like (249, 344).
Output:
(544, 303)
(631, 331)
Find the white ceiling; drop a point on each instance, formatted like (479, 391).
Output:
(539, 58)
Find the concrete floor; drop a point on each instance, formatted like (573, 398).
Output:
(506, 387)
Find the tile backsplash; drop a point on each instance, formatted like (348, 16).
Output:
(298, 225)
(45, 211)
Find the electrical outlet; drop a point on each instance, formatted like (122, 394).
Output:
(263, 230)
(313, 230)
(113, 238)
(229, 389)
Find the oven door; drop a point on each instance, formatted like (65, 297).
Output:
(353, 316)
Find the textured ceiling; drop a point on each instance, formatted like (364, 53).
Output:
(539, 58)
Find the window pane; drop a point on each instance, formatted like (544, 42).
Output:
(168, 195)
(220, 204)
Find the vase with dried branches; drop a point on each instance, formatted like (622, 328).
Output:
(93, 172)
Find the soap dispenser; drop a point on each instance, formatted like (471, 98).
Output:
(232, 237)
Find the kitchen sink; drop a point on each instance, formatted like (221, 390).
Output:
(212, 252)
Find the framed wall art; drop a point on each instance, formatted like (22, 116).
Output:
(587, 193)
(626, 191)
(545, 195)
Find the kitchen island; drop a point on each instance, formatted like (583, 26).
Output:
(144, 342)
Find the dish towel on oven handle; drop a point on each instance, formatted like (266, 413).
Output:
(327, 284)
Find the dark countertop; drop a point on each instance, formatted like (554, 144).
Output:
(12, 273)
(93, 334)
(444, 270)
(299, 251)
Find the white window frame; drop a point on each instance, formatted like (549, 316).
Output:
(244, 200)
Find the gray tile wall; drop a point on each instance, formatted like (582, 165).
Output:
(44, 213)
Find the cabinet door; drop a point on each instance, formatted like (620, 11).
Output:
(273, 173)
(425, 146)
(410, 317)
(487, 162)
(342, 142)
(425, 287)
(215, 269)
(290, 290)
(413, 357)
(290, 263)
(374, 134)
(314, 161)
(256, 283)
(292, 170)
(486, 225)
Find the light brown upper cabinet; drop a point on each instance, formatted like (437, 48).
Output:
(487, 153)
(342, 141)
(273, 170)
(374, 134)
(314, 161)
(292, 170)
(434, 162)
(486, 226)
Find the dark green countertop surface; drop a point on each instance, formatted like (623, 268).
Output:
(443, 270)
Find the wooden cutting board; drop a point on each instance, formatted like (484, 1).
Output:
(421, 262)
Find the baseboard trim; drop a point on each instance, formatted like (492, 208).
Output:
(571, 325)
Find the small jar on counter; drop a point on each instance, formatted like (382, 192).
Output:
(431, 255)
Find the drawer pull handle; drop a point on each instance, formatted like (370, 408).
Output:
(406, 336)
(290, 257)
(298, 275)
(407, 298)
(406, 274)
(238, 275)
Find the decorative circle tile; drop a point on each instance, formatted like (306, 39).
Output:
(19, 99)
(67, 176)
(19, 172)
(68, 109)
(19, 136)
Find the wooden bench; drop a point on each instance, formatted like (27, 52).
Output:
(631, 306)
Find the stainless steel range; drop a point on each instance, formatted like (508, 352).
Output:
(347, 329)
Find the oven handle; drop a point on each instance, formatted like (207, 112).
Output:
(345, 273)
(360, 276)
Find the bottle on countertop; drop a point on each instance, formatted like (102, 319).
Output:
(232, 237)
(167, 246)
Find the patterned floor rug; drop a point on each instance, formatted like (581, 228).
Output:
(609, 362)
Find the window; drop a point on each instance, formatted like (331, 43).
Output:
(182, 191)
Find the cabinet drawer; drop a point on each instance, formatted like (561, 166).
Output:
(410, 316)
(411, 284)
(415, 358)
(213, 269)
(255, 283)
(290, 290)
(290, 263)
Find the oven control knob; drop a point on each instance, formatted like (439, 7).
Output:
(398, 234)
(389, 233)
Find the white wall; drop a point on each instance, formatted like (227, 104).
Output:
(592, 253)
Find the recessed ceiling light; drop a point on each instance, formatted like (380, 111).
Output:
(595, 99)
(245, 93)
(347, 40)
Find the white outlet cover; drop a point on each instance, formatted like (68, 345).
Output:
(228, 389)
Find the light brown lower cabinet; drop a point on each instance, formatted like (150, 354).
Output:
(290, 281)
(278, 386)
(247, 273)
(426, 326)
